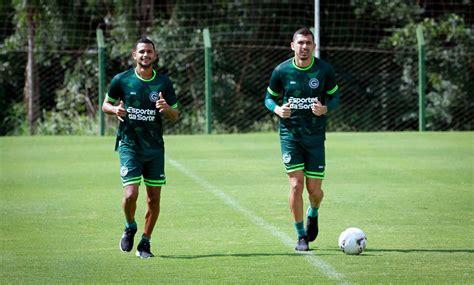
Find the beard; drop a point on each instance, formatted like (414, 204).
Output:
(305, 55)
(148, 65)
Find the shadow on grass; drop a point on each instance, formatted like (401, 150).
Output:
(408, 250)
(315, 252)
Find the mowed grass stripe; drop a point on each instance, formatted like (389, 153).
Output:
(324, 267)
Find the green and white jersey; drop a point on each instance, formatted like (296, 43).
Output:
(142, 128)
(301, 87)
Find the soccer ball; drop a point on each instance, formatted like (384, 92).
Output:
(352, 241)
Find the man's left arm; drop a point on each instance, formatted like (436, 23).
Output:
(170, 112)
(168, 104)
(331, 90)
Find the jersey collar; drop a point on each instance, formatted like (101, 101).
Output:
(143, 79)
(303, 68)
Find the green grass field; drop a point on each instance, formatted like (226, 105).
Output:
(225, 218)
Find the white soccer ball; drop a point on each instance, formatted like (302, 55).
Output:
(352, 241)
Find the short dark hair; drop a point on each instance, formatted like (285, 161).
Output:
(304, 32)
(144, 40)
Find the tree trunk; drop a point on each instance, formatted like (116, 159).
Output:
(145, 16)
(31, 89)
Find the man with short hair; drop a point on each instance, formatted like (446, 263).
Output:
(309, 91)
(140, 97)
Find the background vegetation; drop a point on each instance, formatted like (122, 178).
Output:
(49, 73)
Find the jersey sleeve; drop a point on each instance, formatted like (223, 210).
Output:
(332, 90)
(170, 95)
(115, 92)
(330, 86)
(275, 87)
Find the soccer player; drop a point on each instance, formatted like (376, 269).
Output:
(140, 98)
(309, 91)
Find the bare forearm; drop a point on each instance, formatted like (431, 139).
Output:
(108, 108)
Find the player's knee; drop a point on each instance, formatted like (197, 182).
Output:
(153, 200)
(130, 195)
(130, 198)
(316, 192)
(297, 186)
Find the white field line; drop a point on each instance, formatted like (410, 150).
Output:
(314, 260)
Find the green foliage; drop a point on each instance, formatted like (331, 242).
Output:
(48, 35)
(244, 53)
(15, 122)
(59, 28)
(393, 11)
(66, 123)
(58, 31)
(11, 92)
(448, 42)
(80, 82)
(74, 112)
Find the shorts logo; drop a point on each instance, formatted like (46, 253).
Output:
(123, 171)
(286, 157)
(153, 96)
(313, 83)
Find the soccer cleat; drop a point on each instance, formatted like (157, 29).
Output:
(126, 242)
(302, 244)
(143, 250)
(312, 228)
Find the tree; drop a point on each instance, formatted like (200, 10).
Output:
(448, 41)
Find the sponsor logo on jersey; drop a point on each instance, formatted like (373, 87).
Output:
(286, 157)
(313, 83)
(123, 171)
(141, 114)
(292, 82)
(133, 93)
(301, 103)
(153, 96)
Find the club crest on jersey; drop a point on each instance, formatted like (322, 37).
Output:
(153, 96)
(123, 171)
(286, 157)
(314, 83)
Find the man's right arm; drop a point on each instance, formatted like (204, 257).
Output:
(109, 108)
(272, 93)
(283, 111)
(109, 105)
